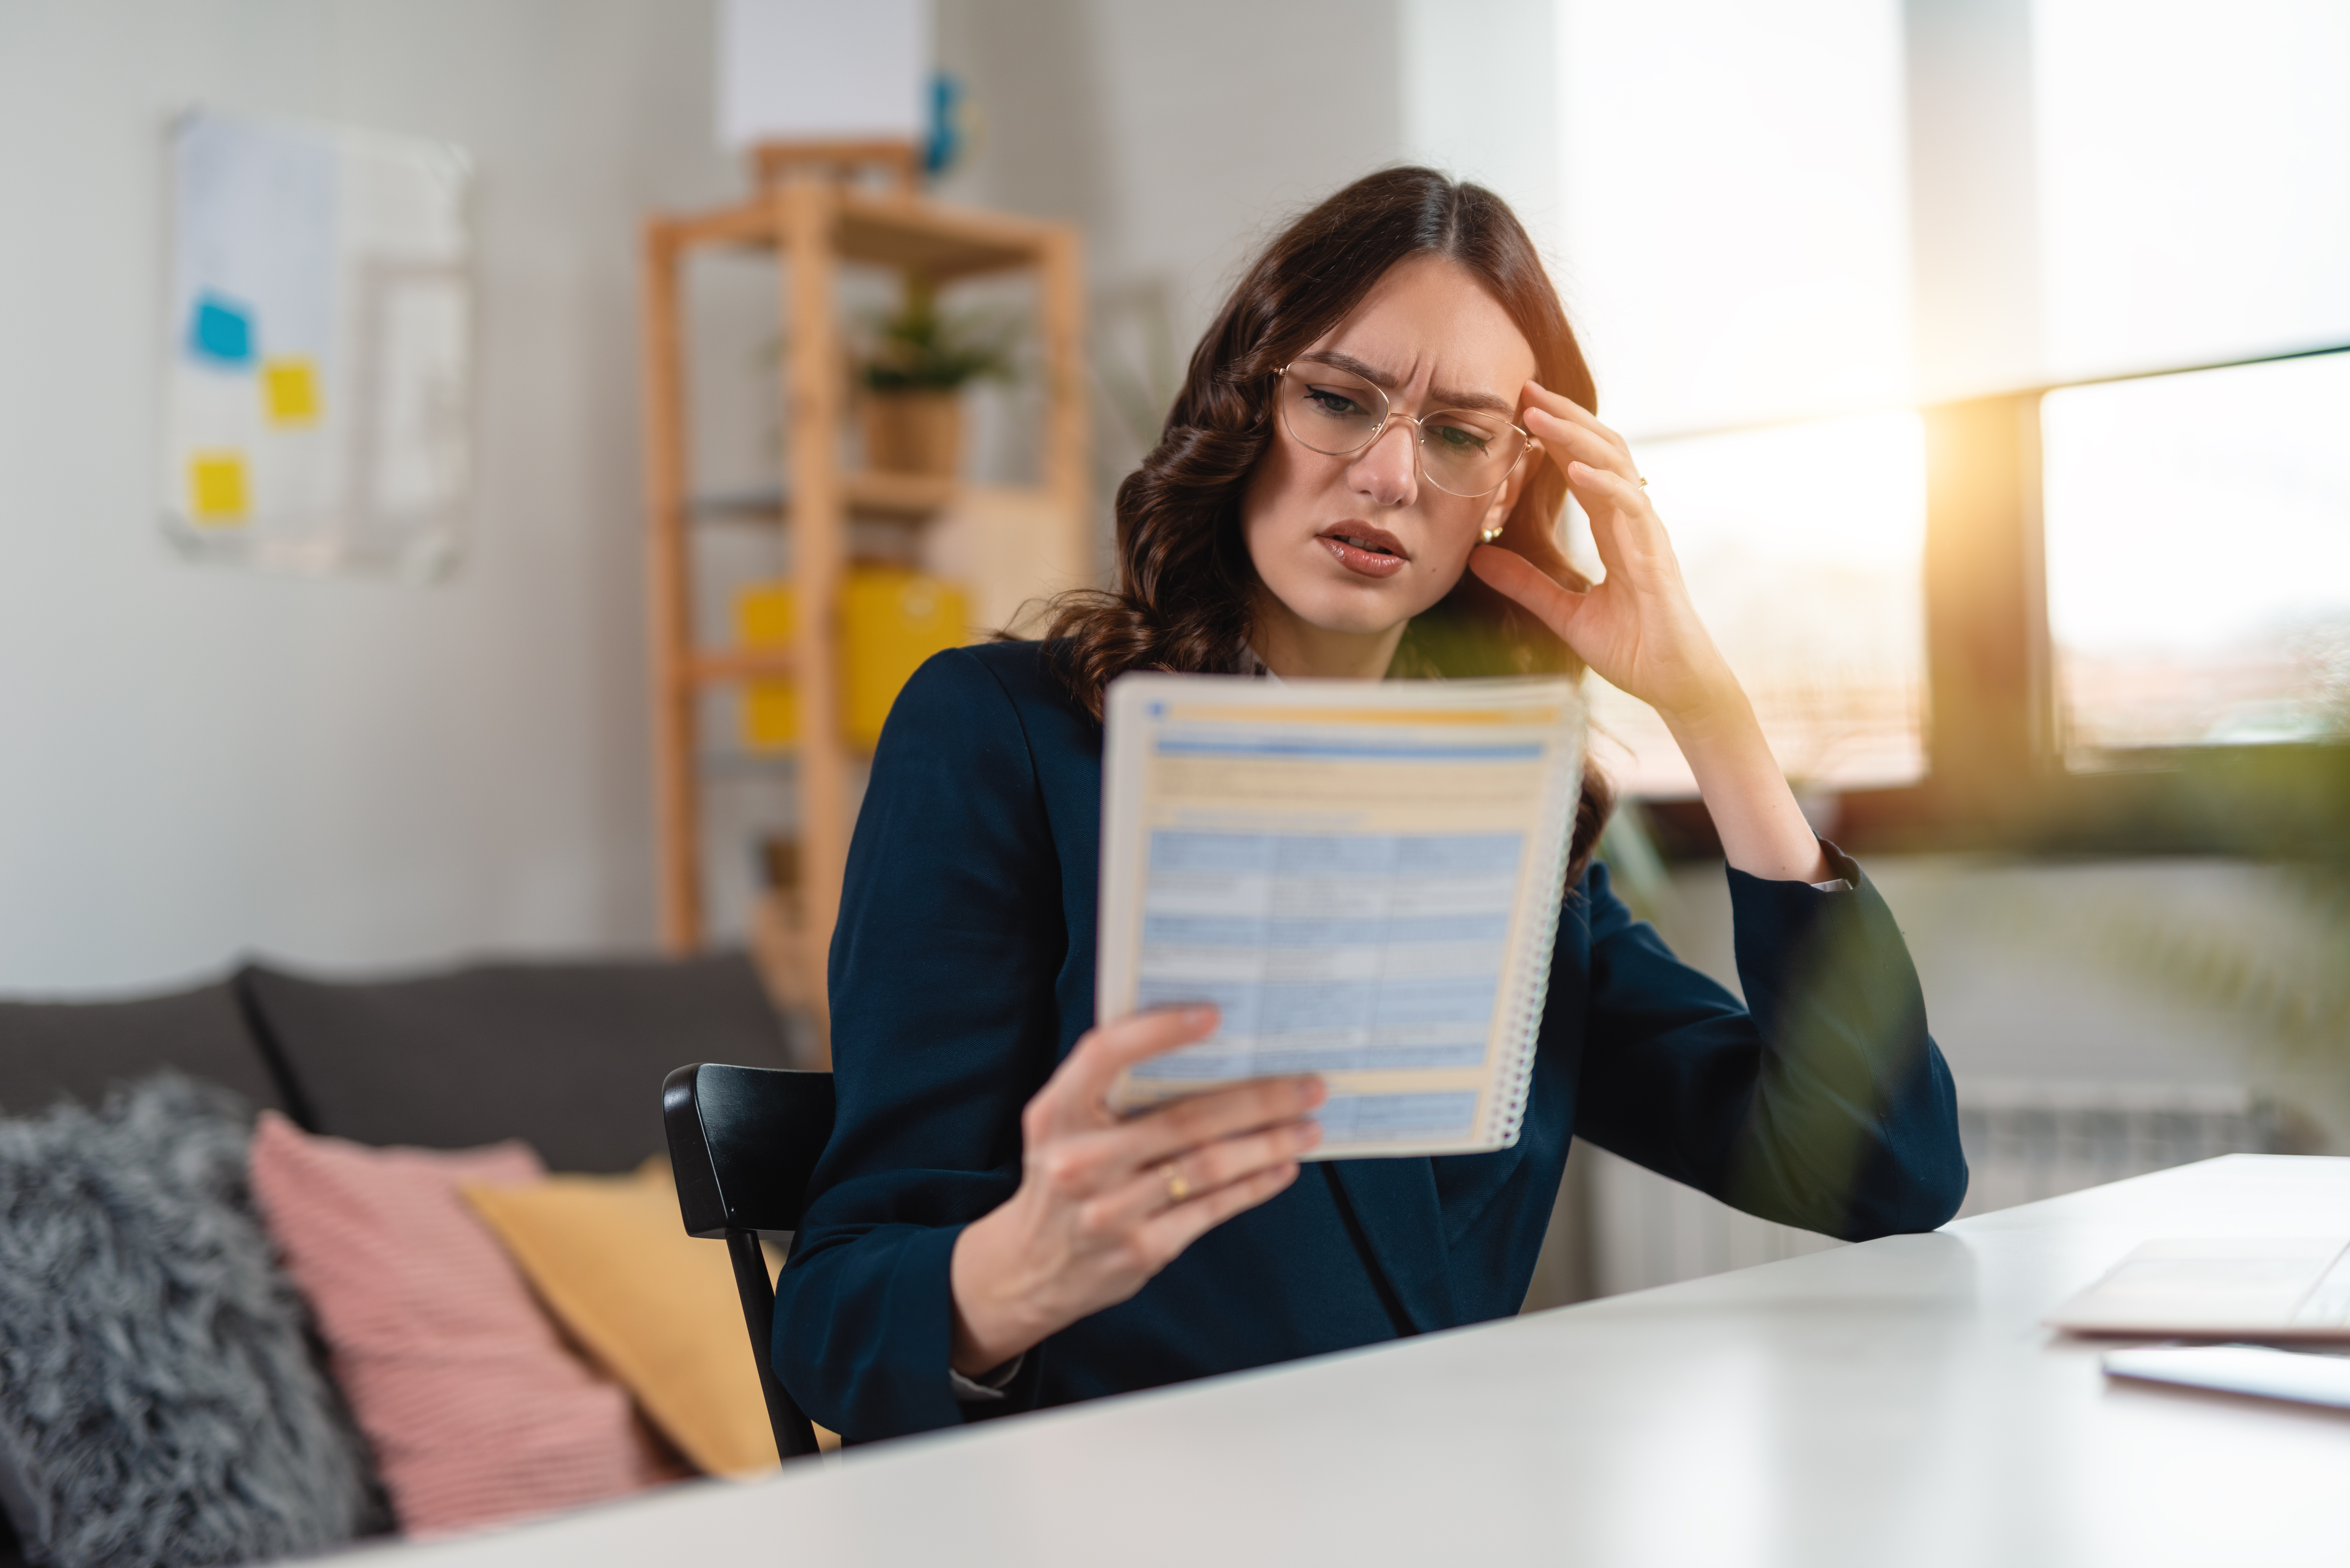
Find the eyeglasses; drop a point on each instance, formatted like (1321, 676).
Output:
(1337, 413)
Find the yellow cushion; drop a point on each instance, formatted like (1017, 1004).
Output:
(657, 1308)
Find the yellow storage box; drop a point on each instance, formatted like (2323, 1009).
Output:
(891, 620)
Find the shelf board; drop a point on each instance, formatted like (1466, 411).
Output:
(741, 761)
(725, 666)
(885, 229)
(910, 496)
(900, 495)
(943, 242)
(755, 505)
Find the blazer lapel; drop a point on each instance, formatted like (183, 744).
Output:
(1395, 1203)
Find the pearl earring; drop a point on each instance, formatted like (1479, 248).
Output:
(1489, 535)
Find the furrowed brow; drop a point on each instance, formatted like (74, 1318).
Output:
(1483, 402)
(1438, 396)
(1380, 378)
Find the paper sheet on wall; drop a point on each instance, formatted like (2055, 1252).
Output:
(816, 70)
(317, 349)
(1364, 876)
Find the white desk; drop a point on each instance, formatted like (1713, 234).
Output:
(1893, 1405)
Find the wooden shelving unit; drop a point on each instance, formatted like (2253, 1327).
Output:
(814, 220)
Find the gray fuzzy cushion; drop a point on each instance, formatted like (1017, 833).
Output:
(158, 1400)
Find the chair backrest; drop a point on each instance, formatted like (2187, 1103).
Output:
(742, 1142)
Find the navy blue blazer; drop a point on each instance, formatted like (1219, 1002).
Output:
(962, 970)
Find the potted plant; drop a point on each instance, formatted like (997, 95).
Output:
(913, 378)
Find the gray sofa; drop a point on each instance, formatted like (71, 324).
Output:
(568, 1056)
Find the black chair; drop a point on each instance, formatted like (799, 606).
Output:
(743, 1141)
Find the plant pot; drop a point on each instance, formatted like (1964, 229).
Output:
(914, 432)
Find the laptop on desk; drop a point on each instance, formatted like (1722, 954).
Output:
(2271, 1288)
(2289, 1290)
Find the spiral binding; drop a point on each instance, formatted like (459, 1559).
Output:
(1521, 1026)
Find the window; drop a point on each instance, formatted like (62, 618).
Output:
(1803, 547)
(2159, 187)
(2198, 531)
(1735, 251)
(2193, 167)
(1735, 226)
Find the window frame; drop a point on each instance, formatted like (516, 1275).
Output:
(1996, 778)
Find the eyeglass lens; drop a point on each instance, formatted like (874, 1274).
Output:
(1337, 412)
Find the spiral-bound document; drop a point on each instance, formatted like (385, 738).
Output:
(1365, 876)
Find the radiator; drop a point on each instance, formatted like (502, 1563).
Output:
(2024, 1141)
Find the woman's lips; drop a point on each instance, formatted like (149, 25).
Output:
(1365, 550)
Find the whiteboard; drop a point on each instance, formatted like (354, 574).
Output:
(318, 347)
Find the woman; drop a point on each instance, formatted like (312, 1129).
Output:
(1360, 478)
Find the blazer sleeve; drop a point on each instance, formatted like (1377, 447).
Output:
(941, 973)
(1821, 1103)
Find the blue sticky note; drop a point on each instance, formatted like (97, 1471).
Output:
(222, 331)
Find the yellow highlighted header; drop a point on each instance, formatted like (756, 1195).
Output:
(1366, 717)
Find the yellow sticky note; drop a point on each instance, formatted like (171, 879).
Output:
(289, 391)
(216, 488)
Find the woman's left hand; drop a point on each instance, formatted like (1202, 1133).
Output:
(1636, 627)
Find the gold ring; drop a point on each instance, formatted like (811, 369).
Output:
(1178, 1190)
(1644, 484)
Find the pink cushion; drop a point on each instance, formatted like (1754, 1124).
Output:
(478, 1411)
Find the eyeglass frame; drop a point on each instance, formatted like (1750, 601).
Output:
(1389, 412)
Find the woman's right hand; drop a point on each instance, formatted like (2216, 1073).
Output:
(1106, 1201)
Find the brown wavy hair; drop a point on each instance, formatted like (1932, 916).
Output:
(1185, 585)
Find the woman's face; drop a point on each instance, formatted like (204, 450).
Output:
(1355, 547)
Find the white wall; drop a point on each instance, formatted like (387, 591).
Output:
(1179, 137)
(201, 762)
(197, 761)
(1481, 102)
